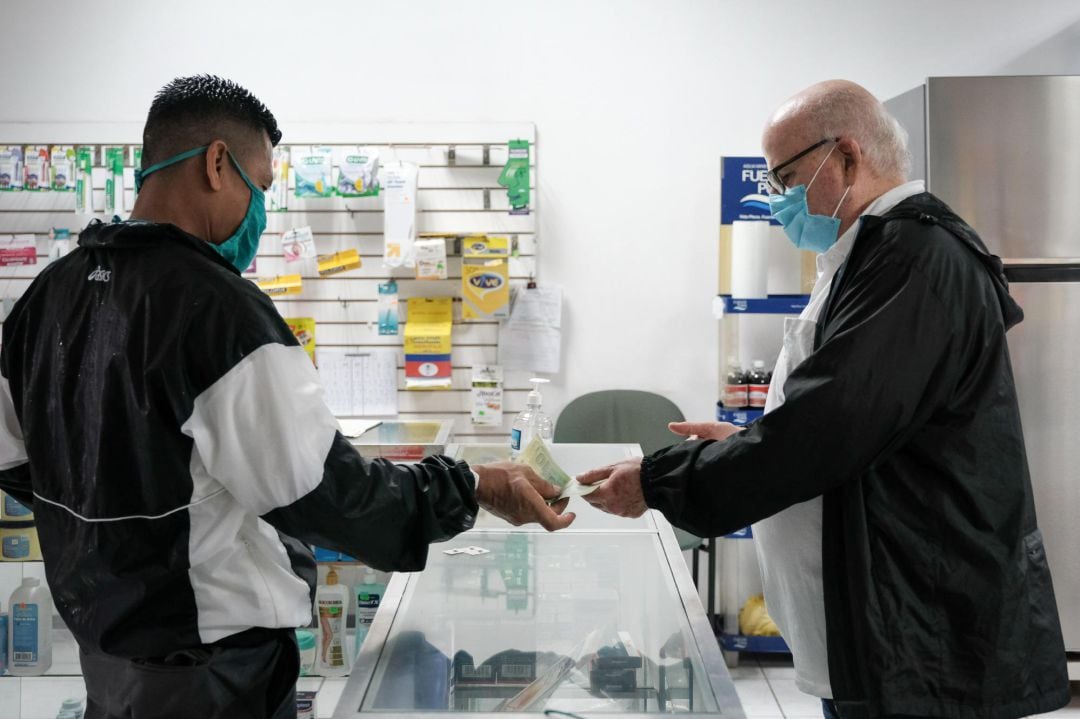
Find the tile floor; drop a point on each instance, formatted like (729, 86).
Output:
(766, 688)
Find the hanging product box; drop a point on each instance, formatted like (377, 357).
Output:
(485, 278)
(338, 262)
(18, 250)
(428, 342)
(36, 168)
(303, 328)
(277, 197)
(11, 169)
(84, 185)
(487, 395)
(313, 172)
(62, 169)
(281, 285)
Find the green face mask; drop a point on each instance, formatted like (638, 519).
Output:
(242, 246)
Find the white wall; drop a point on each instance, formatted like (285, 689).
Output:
(635, 101)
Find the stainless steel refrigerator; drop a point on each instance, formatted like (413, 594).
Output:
(1004, 152)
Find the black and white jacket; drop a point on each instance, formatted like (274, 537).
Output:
(172, 438)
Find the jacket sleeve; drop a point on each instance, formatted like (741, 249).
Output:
(882, 368)
(14, 466)
(264, 433)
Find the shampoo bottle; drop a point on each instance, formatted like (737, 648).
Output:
(332, 604)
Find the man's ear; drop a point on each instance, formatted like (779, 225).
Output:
(216, 157)
(851, 155)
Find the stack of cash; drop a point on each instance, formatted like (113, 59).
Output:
(538, 456)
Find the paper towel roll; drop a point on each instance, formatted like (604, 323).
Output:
(749, 259)
(785, 264)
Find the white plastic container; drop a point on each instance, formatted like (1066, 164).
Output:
(3, 642)
(531, 422)
(369, 596)
(30, 630)
(332, 606)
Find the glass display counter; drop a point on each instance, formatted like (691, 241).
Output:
(598, 619)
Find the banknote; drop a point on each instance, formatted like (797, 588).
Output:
(538, 455)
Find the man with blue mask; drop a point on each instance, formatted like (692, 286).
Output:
(887, 482)
(171, 436)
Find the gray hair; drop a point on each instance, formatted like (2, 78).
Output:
(852, 112)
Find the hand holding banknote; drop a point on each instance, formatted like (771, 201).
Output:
(538, 455)
(517, 494)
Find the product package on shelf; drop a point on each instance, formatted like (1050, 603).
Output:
(515, 177)
(357, 172)
(62, 168)
(487, 395)
(303, 328)
(281, 285)
(36, 168)
(485, 278)
(388, 308)
(431, 259)
(277, 196)
(428, 343)
(339, 262)
(399, 214)
(313, 170)
(11, 168)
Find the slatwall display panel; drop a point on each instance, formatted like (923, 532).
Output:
(457, 194)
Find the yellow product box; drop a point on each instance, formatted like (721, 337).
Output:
(485, 278)
(281, 285)
(428, 343)
(338, 262)
(303, 328)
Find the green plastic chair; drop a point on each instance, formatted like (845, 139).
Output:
(633, 416)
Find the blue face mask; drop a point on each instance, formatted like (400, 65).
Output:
(808, 232)
(242, 246)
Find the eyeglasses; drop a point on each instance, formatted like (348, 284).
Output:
(773, 176)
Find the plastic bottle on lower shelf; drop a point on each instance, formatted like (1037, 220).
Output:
(3, 641)
(332, 604)
(369, 595)
(759, 385)
(736, 387)
(30, 630)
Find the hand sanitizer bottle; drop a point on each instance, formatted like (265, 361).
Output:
(532, 422)
(369, 595)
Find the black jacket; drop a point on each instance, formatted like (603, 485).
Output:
(938, 598)
(172, 438)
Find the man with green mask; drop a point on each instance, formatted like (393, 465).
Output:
(172, 438)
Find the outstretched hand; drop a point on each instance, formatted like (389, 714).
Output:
(620, 493)
(705, 430)
(516, 493)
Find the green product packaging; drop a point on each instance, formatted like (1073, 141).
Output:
(84, 186)
(515, 177)
(136, 162)
(114, 181)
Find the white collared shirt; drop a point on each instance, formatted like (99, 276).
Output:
(789, 543)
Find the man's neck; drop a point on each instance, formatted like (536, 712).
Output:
(162, 211)
(868, 197)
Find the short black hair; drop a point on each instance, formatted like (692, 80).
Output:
(193, 111)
